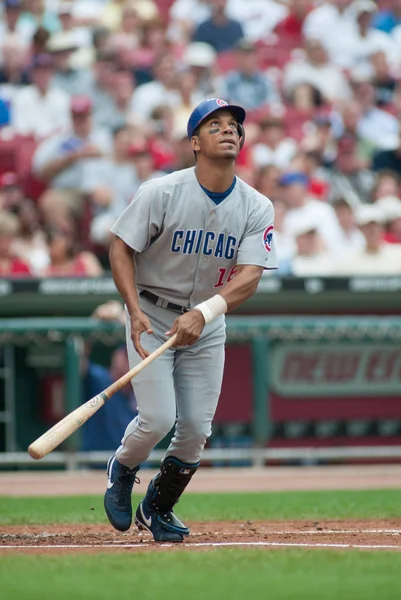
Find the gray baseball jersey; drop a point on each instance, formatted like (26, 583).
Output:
(186, 246)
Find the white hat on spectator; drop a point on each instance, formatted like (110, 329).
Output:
(65, 8)
(303, 225)
(363, 6)
(199, 54)
(391, 207)
(62, 41)
(369, 213)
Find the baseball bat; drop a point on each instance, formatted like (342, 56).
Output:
(74, 420)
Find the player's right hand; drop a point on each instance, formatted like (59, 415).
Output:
(139, 324)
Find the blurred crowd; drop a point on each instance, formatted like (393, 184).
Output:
(95, 97)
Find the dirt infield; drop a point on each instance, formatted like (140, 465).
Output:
(358, 535)
(100, 538)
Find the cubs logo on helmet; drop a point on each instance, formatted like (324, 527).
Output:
(268, 238)
(209, 106)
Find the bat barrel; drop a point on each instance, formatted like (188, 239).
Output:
(35, 451)
(73, 421)
(64, 428)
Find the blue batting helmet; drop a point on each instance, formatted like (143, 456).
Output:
(207, 107)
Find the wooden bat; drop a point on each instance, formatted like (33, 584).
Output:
(74, 420)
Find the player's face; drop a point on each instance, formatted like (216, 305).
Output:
(218, 136)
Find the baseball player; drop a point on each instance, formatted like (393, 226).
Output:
(190, 247)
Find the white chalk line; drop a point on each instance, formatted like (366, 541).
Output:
(286, 532)
(204, 545)
(327, 531)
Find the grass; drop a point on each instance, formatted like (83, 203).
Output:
(333, 504)
(218, 574)
(221, 574)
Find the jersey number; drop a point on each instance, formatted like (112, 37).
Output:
(222, 276)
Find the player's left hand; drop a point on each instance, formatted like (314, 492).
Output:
(188, 328)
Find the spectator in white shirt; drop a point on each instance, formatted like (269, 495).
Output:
(301, 206)
(62, 47)
(62, 161)
(311, 258)
(258, 17)
(111, 184)
(375, 126)
(200, 59)
(111, 115)
(365, 40)
(377, 257)
(345, 31)
(112, 181)
(353, 239)
(332, 23)
(273, 147)
(349, 175)
(80, 35)
(247, 85)
(40, 109)
(316, 71)
(163, 90)
(101, 76)
(10, 18)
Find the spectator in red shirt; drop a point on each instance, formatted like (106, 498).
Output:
(391, 207)
(66, 260)
(10, 266)
(291, 26)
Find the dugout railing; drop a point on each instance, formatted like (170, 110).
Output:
(258, 332)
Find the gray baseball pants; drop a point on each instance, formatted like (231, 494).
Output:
(181, 387)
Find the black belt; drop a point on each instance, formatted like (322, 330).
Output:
(162, 302)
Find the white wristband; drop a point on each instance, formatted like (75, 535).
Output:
(212, 308)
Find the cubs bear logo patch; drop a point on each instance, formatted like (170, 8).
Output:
(268, 237)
